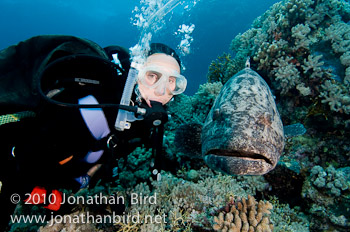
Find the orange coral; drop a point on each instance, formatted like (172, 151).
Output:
(245, 215)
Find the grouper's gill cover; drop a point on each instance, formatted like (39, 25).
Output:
(243, 132)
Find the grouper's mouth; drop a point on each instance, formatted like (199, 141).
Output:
(240, 154)
(238, 162)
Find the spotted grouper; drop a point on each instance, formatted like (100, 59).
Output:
(243, 132)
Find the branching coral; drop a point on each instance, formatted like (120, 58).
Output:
(337, 96)
(345, 58)
(314, 18)
(347, 77)
(181, 111)
(313, 63)
(286, 73)
(339, 35)
(267, 52)
(300, 33)
(218, 68)
(245, 215)
(304, 91)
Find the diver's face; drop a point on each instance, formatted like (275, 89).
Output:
(157, 81)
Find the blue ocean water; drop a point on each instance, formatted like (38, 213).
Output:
(108, 22)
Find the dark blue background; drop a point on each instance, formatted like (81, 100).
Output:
(108, 22)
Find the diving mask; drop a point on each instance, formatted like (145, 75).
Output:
(161, 78)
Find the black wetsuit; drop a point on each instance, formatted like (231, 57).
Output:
(56, 133)
(59, 132)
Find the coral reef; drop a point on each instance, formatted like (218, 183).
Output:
(204, 99)
(192, 205)
(223, 68)
(188, 204)
(134, 168)
(286, 74)
(22, 225)
(312, 63)
(186, 109)
(245, 215)
(288, 42)
(207, 192)
(331, 179)
(327, 193)
(337, 96)
(69, 223)
(300, 32)
(286, 219)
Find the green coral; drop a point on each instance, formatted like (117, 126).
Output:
(286, 219)
(218, 68)
(224, 67)
(204, 99)
(135, 168)
(186, 109)
(180, 111)
(27, 211)
(327, 191)
(331, 179)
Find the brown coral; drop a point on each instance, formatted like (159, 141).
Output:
(245, 215)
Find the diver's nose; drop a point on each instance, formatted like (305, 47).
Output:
(160, 91)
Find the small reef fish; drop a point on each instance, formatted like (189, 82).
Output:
(243, 132)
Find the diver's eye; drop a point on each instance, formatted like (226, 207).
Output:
(152, 77)
(172, 80)
(172, 83)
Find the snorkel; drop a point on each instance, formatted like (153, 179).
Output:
(125, 117)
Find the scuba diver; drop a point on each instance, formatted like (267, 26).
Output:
(74, 88)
